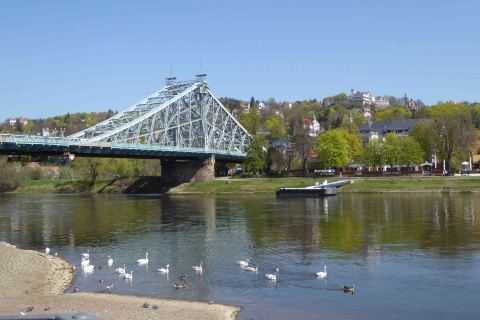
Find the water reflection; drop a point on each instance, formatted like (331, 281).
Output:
(346, 224)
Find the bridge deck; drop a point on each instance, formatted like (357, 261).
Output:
(26, 144)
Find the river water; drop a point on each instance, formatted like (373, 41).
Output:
(410, 256)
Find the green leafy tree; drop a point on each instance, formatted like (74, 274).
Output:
(453, 131)
(91, 168)
(391, 149)
(277, 128)
(354, 142)
(251, 120)
(394, 113)
(333, 149)
(257, 156)
(423, 134)
(410, 152)
(373, 154)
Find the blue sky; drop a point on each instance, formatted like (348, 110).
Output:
(71, 56)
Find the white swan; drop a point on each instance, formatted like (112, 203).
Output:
(47, 250)
(86, 254)
(322, 274)
(88, 269)
(164, 270)
(251, 269)
(199, 268)
(110, 261)
(243, 263)
(143, 261)
(85, 262)
(120, 270)
(271, 276)
(128, 276)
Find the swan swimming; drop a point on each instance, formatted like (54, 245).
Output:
(88, 269)
(243, 263)
(143, 261)
(322, 274)
(271, 276)
(251, 269)
(199, 268)
(86, 254)
(120, 270)
(110, 261)
(164, 270)
(128, 276)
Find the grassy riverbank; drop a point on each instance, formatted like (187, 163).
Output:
(367, 185)
(253, 185)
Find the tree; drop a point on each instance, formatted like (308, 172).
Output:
(333, 149)
(251, 120)
(354, 143)
(276, 126)
(91, 168)
(373, 154)
(303, 145)
(252, 102)
(423, 134)
(453, 132)
(257, 156)
(410, 151)
(391, 149)
(394, 113)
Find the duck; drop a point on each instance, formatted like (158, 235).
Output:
(110, 261)
(183, 277)
(243, 263)
(86, 254)
(128, 276)
(322, 274)
(143, 261)
(109, 287)
(47, 250)
(251, 269)
(88, 269)
(349, 288)
(276, 269)
(120, 270)
(198, 269)
(179, 285)
(164, 270)
(271, 277)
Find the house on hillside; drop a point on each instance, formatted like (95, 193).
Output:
(379, 129)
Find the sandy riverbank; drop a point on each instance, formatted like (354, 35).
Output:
(29, 278)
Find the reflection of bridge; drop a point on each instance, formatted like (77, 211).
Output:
(183, 121)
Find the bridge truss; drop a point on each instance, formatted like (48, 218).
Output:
(182, 120)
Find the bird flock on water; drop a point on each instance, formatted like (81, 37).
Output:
(244, 264)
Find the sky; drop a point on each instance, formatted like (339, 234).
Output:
(82, 56)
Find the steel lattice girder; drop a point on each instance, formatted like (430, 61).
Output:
(184, 115)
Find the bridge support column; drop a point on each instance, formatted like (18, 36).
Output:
(175, 172)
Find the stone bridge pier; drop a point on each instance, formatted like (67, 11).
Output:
(175, 172)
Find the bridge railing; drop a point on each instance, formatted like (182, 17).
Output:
(62, 141)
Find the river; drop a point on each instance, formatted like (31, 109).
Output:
(410, 256)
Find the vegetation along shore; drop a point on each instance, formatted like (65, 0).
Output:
(252, 185)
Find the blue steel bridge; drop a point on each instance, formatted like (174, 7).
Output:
(182, 121)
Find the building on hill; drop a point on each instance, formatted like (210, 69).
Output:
(361, 97)
(379, 129)
(366, 98)
(313, 126)
(409, 103)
